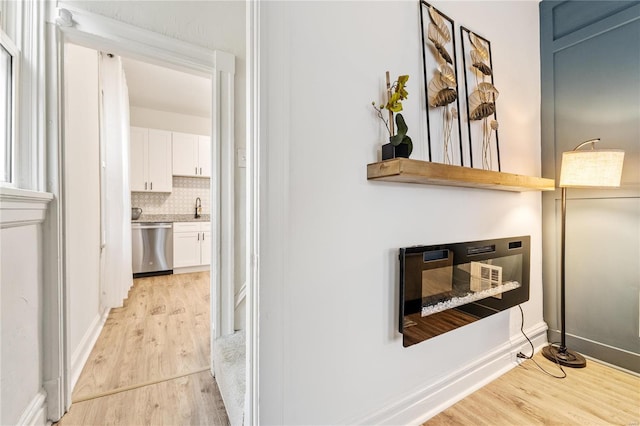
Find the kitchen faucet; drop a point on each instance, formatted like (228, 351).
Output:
(198, 207)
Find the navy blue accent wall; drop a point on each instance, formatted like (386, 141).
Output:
(590, 71)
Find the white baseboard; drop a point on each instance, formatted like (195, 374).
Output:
(82, 352)
(36, 411)
(189, 269)
(435, 397)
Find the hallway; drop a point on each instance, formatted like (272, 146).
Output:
(150, 364)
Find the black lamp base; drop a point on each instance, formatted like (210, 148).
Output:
(564, 357)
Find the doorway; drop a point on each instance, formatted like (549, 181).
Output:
(120, 39)
(114, 97)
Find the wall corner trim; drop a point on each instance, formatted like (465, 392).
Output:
(54, 387)
(225, 62)
(240, 295)
(420, 406)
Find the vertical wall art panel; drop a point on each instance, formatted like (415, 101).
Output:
(481, 94)
(441, 86)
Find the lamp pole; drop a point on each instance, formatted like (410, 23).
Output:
(563, 233)
(561, 354)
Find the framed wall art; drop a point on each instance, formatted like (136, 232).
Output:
(444, 134)
(481, 94)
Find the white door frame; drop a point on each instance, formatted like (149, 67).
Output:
(101, 33)
(252, 270)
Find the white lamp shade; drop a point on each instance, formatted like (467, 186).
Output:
(598, 168)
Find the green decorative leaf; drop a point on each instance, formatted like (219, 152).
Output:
(407, 140)
(396, 139)
(402, 126)
(401, 136)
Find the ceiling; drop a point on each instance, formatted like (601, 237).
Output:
(165, 89)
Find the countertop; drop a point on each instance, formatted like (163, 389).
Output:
(153, 218)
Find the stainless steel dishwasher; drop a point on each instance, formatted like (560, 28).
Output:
(152, 248)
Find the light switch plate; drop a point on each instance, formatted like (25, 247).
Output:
(241, 156)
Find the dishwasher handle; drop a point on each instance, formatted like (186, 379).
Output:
(150, 226)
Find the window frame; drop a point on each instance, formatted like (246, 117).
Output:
(14, 52)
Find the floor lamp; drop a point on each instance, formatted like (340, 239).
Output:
(594, 168)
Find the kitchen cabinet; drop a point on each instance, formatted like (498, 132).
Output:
(191, 155)
(150, 161)
(191, 244)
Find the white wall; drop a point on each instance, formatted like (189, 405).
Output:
(20, 317)
(329, 239)
(23, 365)
(163, 120)
(82, 201)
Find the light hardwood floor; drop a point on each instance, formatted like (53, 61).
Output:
(595, 395)
(150, 364)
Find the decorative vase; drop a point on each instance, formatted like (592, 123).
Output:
(389, 151)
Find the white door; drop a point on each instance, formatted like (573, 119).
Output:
(185, 154)
(160, 170)
(138, 160)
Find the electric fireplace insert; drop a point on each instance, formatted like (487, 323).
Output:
(446, 286)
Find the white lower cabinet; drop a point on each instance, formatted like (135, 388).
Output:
(205, 247)
(191, 244)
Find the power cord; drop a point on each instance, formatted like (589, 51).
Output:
(522, 355)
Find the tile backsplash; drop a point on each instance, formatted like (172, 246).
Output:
(182, 200)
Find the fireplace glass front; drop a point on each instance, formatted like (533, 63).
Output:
(446, 286)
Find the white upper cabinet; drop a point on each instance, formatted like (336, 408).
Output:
(138, 161)
(150, 162)
(185, 154)
(204, 155)
(160, 173)
(191, 155)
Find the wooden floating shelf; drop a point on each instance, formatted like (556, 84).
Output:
(427, 173)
